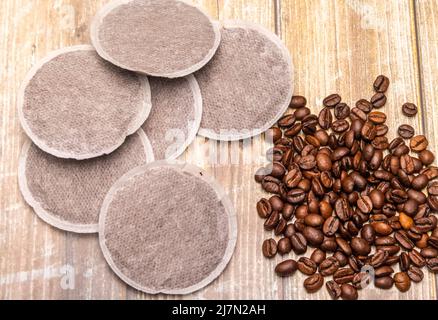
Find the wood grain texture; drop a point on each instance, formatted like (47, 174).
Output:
(337, 46)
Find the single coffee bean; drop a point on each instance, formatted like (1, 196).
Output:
(364, 105)
(293, 178)
(313, 236)
(361, 280)
(402, 281)
(318, 256)
(281, 227)
(343, 275)
(284, 246)
(406, 131)
(271, 184)
(325, 118)
(333, 289)
(289, 230)
(426, 157)
(378, 100)
(264, 208)
(419, 182)
(269, 248)
(323, 162)
(385, 241)
(382, 228)
(295, 196)
(429, 252)
(344, 246)
(342, 209)
(297, 102)
(348, 292)
(381, 129)
(432, 189)
(299, 243)
(377, 117)
(378, 258)
(307, 266)
(417, 259)
(381, 84)
(332, 100)
(328, 266)
(331, 226)
(415, 274)
(384, 283)
(409, 109)
(360, 246)
(294, 130)
(286, 268)
(369, 131)
(405, 261)
(419, 143)
(403, 240)
(368, 233)
(433, 241)
(365, 204)
(340, 126)
(313, 283)
(287, 121)
(272, 221)
(383, 271)
(432, 265)
(342, 111)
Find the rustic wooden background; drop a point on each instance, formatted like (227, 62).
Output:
(337, 46)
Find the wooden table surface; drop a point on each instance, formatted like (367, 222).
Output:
(337, 46)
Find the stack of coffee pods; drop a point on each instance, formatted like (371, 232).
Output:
(107, 122)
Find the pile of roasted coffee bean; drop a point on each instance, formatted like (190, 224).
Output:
(357, 199)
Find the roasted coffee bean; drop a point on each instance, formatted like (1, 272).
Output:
(293, 178)
(380, 143)
(383, 271)
(406, 131)
(332, 100)
(385, 241)
(276, 203)
(432, 189)
(369, 131)
(313, 283)
(297, 102)
(273, 134)
(299, 243)
(381, 84)
(328, 266)
(313, 236)
(365, 204)
(398, 196)
(342, 258)
(342, 111)
(281, 227)
(403, 240)
(419, 182)
(361, 280)
(343, 275)
(307, 162)
(271, 184)
(419, 143)
(340, 126)
(329, 244)
(348, 292)
(295, 196)
(417, 259)
(377, 117)
(272, 221)
(406, 221)
(333, 289)
(409, 109)
(286, 268)
(382, 228)
(426, 157)
(378, 100)
(342, 209)
(433, 241)
(415, 274)
(289, 230)
(269, 248)
(264, 208)
(360, 246)
(287, 121)
(382, 129)
(378, 258)
(405, 261)
(301, 113)
(294, 130)
(384, 283)
(368, 233)
(402, 281)
(307, 266)
(331, 226)
(429, 252)
(432, 265)
(284, 246)
(318, 256)
(344, 246)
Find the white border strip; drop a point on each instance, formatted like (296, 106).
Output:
(47, 216)
(196, 172)
(235, 24)
(105, 10)
(144, 109)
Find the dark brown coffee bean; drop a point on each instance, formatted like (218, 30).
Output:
(342, 209)
(323, 162)
(284, 246)
(432, 265)
(432, 189)
(271, 184)
(417, 259)
(339, 126)
(381, 84)
(332, 100)
(328, 266)
(377, 117)
(348, 292)
(406, 131)
(264, 208)
(299, 243)
(313, 283)
(313, 236)
(419, 182)
(429, 252)
(297, 102)
(402, 281)
(295, 196)
(361, 280)
(293, 178)
(378, 100)
(364, 105)
(415, 274)
(360, 246)
(307, 266)
(287, 121)
(380, 143)
(344, 246)
(405, 262)
(365, 204)
(378, 258)
(384, 283)
(383, 271)
(433, 241)
(307, 162)
(368, 233)
(276, 203)
(369, 131)
(381, 130)
(289, 230)
(286, 268)
(269, 248)
(403, 240)
(385, 241)
(419, 143)
(343, 275)
(382, 228)
(318, 256)
(331, 226)
(281, 227)
(314, 220)
(333, 289)
(409, 109)
(325, 118)
(272, 221)
(294, 130)
(342, 111)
